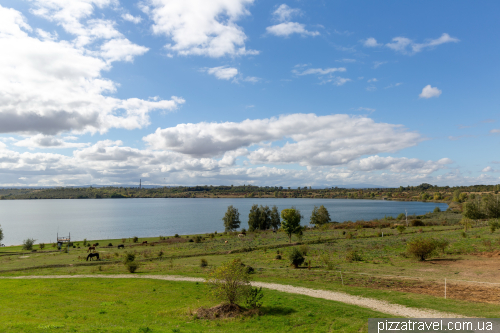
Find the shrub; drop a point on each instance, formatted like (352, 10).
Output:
(135, 239)
(176, 236)
(421, 248)
(85, 242)
(401, 228)
(296, 258)
(41, 246)
(28, 244)
(203, 263)
(304, 249)
(442, 244)
(349, 235)
(417, 223)
(198, 239)
(353, 256)
(494, 225)
(250, 270)
(437, 209)
(278, 257)
(132, 266)
(401, 216)
(110, 244)
(229, 282)
(254, 298)
(129, 257)
(123, 240)
(190, 240)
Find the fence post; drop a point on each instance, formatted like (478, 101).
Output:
(445, 288)
(342, 278)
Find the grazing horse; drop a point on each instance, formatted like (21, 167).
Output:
(92, 255)
(121, 246)
(145, 243)
(94, 244)
(241, 235)
(91, 248)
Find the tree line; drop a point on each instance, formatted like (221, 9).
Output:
(265, 218)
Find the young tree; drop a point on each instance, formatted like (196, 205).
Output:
(275, 218)
(291, 222)
(422, 248)
(254, 218)
(492, 205)
(1, 234)
(467, 223)
(320, 215)
(231, 219)
(472, 210)
(264, 217)
(230, 282)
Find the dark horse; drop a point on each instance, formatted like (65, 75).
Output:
(121, 246)
(91, 248)
(92, 255)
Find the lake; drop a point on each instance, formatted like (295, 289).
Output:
(124, 218)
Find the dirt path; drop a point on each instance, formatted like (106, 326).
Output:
(377, 305)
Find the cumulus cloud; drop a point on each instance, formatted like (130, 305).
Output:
(372, 80)
(200, 27)
(429, 92)
(131, 18)
(316, 140)
(49, 86)
(48, 141)
(407, 46)
(286, 29)
(399, 164)
(222, 72)
(371, 42)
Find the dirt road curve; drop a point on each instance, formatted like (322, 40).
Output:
(377, 305)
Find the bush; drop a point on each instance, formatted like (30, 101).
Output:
(135, 239)
(132, 266)
(129, 257)
(401, 228)
(198, 239)
(85, 242)
(229, 282)
(176, 236)
(41, 246)
(417, 223)
(442, 244)
(437, 209)
(278, 257)
(296, 258)
(190, 240)
(203, 263)
(123, 240)
(353, 256)
(110, 244)
(28, 244)
(421, 248)
(494, 225)
(254, 298)
(401, 216)
(304, 249)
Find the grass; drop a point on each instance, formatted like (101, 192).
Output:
(86, 305)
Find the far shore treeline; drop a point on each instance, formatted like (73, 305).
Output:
(422, 192)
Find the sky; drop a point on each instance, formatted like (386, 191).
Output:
(232, 92)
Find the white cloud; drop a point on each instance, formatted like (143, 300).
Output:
(222, 72)
(346, 60)
(284, 13)
(317, 71)
(252, 79)
(51, 86)
(407, 46)
(286, 29)
(495, 131)
(317, 140)
(393, 85)
(428, 92)
(377, 64)
(47, 35)
(200, 27)
(48, 141)
(130, 18)
(365, 109)
(488, 169)
(372, 80)
(399, 164)
(370, 42)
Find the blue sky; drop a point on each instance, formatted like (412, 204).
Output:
(297, 93)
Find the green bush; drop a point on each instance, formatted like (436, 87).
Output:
(296, 258)
(129, 257)
(401, 228)
(442, 244)
(353, 256)
(198, 239)
(110, 244)
(421, 248)
(417, 223)
(229, 282)
(203, 263)
(132, 266)
(437, 209)
(41, 246)
(278, 257)
(135, 239)
(254, 298)
(28, 244)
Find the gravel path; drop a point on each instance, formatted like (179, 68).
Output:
(377, 305)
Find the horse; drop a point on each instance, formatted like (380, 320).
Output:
(145, 243)
(94, 244)
(225, 242)
(241, 235)
(121, 246)
(91, 248)
(92, 255)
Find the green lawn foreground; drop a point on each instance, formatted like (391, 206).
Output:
(121, 305)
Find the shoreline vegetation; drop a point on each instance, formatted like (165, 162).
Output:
(423, 192)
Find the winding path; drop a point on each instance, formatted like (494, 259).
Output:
(373, 304)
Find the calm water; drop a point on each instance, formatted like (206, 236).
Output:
(123, 218)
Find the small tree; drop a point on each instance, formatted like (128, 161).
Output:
(296, 257)
(275, 218)
(494, 225)
(291, 222)
(1, 234)
(320, 216)
(230, 282)
(41, 245)
(231, 219)
(28, 244)
(421, 248)
(401, 228)
(467, 223)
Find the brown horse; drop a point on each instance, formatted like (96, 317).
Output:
(94, 244)
(91, 248)
(145, 243)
